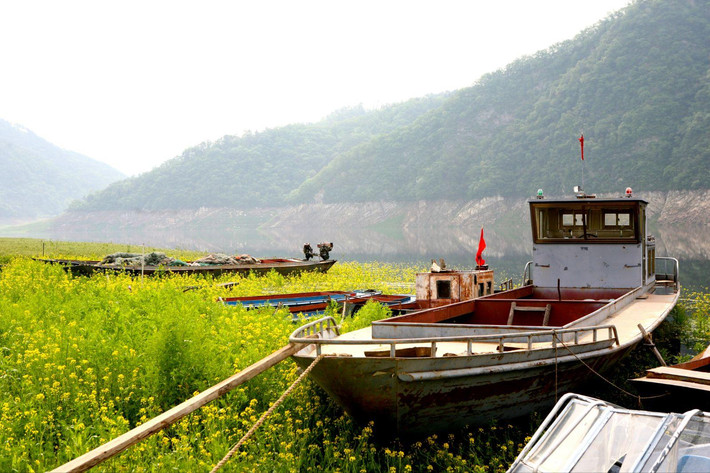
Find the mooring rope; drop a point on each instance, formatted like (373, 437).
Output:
(265, 415)
(638, 397)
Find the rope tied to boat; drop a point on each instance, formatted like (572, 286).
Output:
(265, 415)
(622, 390)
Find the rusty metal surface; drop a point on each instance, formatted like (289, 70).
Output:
(436, 289)
(372, 390)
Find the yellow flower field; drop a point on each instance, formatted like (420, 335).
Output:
(83, 360)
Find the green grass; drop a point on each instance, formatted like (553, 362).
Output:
(36, 248)
(83, 360)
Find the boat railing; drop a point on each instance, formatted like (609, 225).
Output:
(311, 331)
(315, 333)
(667, 276)
(527, 275)
(506, 285)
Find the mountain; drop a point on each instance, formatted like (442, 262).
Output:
(40, 179)
(637, 85)
(258, 169)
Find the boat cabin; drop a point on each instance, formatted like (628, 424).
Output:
(591, 243)
(442, 287)
(591, 257)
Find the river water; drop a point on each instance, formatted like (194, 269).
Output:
(508, 246)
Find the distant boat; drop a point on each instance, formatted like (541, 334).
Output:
(506, 354)
(686, 384)
(311, 303)
(589, 435)
(285, 266)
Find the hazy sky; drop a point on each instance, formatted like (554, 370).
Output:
(134, 83)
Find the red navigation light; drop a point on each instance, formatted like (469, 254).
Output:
(629, 192)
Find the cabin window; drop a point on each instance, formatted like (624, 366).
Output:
(443, 289)
(617, 219)
(572, 219)
(594, 222)
(618, 224)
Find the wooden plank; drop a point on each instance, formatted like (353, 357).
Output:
(649, 341)
(673, 383)
(694, 364)
(117, 445)
(667, 372)
(702, 355)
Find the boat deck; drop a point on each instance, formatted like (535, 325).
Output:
(642, 311)
(625, 314)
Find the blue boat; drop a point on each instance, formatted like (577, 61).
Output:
(312, 303)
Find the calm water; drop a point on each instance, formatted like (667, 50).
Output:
(507, 248)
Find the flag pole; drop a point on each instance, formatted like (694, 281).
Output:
(581, 148)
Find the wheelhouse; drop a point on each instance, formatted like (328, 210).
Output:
(594, 222)
(591, 243)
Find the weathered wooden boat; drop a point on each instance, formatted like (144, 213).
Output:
(505, 354)
(686, 384)
(283, 266)
(588, 435)
(311, 303)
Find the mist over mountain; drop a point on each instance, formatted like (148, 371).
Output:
(636, 84)
(40, 179)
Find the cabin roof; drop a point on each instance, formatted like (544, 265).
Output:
(590, 200)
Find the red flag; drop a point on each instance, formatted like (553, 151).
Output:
(581, 144)
(481, 246)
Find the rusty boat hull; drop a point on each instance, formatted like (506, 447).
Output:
(383, 391)
(476, 369)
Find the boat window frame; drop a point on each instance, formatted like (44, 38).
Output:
(443, 288)
(632, 208)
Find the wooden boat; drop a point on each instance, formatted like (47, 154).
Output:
(283, 266)
(585, 434)
(685, 384)
(505, 354)
(311, 303)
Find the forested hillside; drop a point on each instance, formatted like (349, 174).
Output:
(40, 179)
(257, 169)
(637, 85)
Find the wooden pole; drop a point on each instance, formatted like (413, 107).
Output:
(117, 445)
(649, 342)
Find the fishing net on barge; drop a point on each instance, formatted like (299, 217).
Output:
(219, 258)
(137, 259)
(161, 259)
